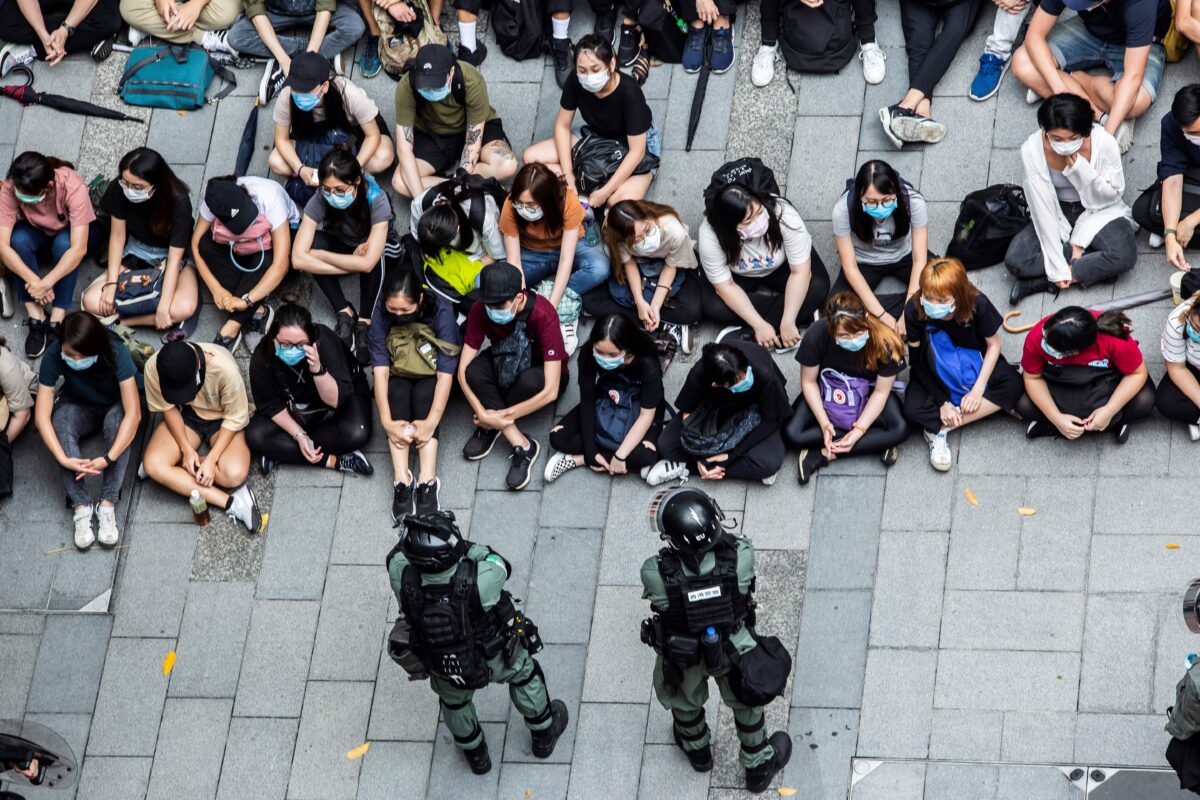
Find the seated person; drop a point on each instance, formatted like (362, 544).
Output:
(499, 384)
(242, 252)
(99, 395)
(629, 40)
(344, 231)
(471, 48)
(475, 230)
(848, 367)
(708, 19)
(150, 219)
(615, 427)
(1178, 395)
(1168, 212)
(958, 374)
(761, 271)
(997, 51)
(47, 226)
(312, 404)
(1083, 372)
(932, 35)
(874, 61)
(882, 228)
(450, 271)
(411, 401)
(1123, 37)
(613, 107)
(445, 123)
(16, 409)
(199, 391)
(311, 106)
(736, 390)
(278, 31)
(1080, 230)
(202, 22)
(54, 28)
(657, 279)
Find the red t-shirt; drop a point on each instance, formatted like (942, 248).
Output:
(1107, 352)
(545, 337)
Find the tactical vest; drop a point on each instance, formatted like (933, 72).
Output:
(451, 633)
(696, 602)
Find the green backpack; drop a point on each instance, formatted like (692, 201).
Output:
(1183, 718)
(414, 348)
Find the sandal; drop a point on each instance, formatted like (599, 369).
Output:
(640, 68)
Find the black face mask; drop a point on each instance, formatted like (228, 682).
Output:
(403, 319)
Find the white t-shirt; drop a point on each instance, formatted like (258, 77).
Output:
(491, 243)
(883, 249)
(1177, 347)
(271, 200)
(756, 259)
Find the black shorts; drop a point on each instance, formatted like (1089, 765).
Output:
(443, 151)
(206, 429)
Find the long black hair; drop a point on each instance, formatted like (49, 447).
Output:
(883, 178)
(728, 210)
(1074, 328)
(151, 167)
(31, 172)
(334, 108)
(723, 364)
(444, 227)
(291, 315)
(622, 331)
(84, 334)
(409, 284)
(353, 222)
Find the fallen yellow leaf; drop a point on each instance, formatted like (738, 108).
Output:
(1024, 511)
(528, 794)
(971, 498)
(1172, 546)
(786, 791)
(182, 112)
(169, 662)
(359, 751)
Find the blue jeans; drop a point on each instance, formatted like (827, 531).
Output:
(589, 270)
(1075, 48)
(32, 245)
(346, 27)
(624, 297)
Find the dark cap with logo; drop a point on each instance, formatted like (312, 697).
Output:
(499, 282)
(231, 204)
(308, 70)
(180, 372)
(431, 66)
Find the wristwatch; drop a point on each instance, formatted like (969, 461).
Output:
(68, 27)
(321, 371)
(246, 299)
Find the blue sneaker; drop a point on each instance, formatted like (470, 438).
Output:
(987, 80)
(721, 57)
(368, 60)
(693, 49)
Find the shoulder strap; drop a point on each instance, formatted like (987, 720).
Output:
(463, 586)
(153, 58)
(222, 72)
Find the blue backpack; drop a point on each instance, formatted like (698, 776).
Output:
(174, 76)
(958, 367)
(618, 403)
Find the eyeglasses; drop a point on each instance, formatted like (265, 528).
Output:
(524, 207)
(342, 192)
(286, 345)
(884, 203)
(134, 187)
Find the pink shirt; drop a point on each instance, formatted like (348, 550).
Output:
(66, 204)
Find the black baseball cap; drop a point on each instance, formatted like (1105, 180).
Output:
(308, 70)
(432, 64)
(231, 204)
(499, 282)
(180, 372)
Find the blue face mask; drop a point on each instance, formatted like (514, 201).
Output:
(305, 101)
(880, 212)
(1191, 333)
(500, 316)
(79, 363)
(607, 362)
(937, 310)
(434, 95)
(1050, 351)
(339, 201)
(289, 355)
(745, 383)
(855, 344)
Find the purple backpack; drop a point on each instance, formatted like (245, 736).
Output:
(843, 396)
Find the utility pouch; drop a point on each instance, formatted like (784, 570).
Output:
(682, 651)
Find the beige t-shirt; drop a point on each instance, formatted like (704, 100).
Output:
(222, 395)
(360, 108)
(15, 379)
(676, 246)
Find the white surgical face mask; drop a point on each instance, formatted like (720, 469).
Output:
(1065, 148)
(1192, 138)
(594, 81)
(529, 214)
(650, 241)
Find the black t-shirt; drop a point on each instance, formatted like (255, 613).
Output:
(818, 349)
(621, 114)
(644, 372)
(1126, 23)
(971, 335)
(137, 218)
(273, 383)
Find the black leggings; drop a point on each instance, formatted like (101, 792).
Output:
(888, 430)
(761, 461)
(233, 280)
(346, 431)
(369, 283)
(931, 51)
(769, 304)
(1138, 408)
(864, 20)
(411, 398)
(874, 274)
(103, 21)
(569, 440)
(1147, 209)
(1172, 403)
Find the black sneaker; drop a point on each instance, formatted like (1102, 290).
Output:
(402, 500)
(760, 777)
(1039, 428)
(473, 57)
(344, 329)
(479, 759)
(606, 27)
(480, 444)
(544, 741)
(427, 500)
(888, 457)
(520, 468)
(701, 760)
(563, 54)
(809, 462)
(257, 326)
(35, 340)
(1027, 287)
(272, 82)
(1122, 433)
(103, 49)
(362, 342)
(355, 462)
(54, 331)
(230, 343)
(265, 465)
(630, 45)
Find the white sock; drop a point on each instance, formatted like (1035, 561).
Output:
(559, 28)
(466, 35)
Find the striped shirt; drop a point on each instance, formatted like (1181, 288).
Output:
(1177, 348)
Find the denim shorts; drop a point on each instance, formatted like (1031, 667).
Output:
(1075, 48)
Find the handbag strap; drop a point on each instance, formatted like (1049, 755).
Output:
(180, 54)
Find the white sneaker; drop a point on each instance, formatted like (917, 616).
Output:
(6, 300)
(873, 63)
(1157, 241)
(141, 473)
(217, 42)
(783, 351)
(940, 457)
(687, 339)
(1124, 135)
(665, 471)
(558, 465)
(771, 480)
(1194, 433)
(726, 331)
(337, 64)
(136, 35)
(84, 537)
(1032, 97)
(106, 519)
(244, 508)
(570, 334)
(762, 70)
(15, 55)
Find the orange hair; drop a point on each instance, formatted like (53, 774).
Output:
(946, 277)
(845, 313)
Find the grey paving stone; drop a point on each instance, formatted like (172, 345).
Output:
(690, 173)
(892, 781)
(889, 92)
(1038, 736)
(957, 164)
(907, 609)
(965, 735)
(1007, 680)
(395, 771)
(183, 138)
(779, 520)
(578, 499)
(41, 126)
(666, 774)
(364, 533)
(816, 183)
(10, 124)
(347, 642)
(298, 543)
(840, 94)
(1120, 739)
(1118, 654)
(401, 709)
(187, 761)
(1140, 510)
(944, 781)
(150, 598)
(258, 755)
(608, 757)
(80, 578)
(619, 665)
(846, 521)
(1043, 783)
(1173, 638)
(564, 616)
(71, 657)
(1005, 167)
(1014, 117)
(114, 778)
(823, 741)
(24, 623)
(916, 498)
(1013, 621)
(18, 655)
(628, 540)
(130, 704)
(995, 450)
(156, 504)
(333, 722)
(449, 776)
(215, 622)
(985, 539)
(714, 121)
(507, 521)
(832, 653)
(1132, 563)
(897, 703)
(519, 106)
(26, 574)
(1054, 542)
(274, 666)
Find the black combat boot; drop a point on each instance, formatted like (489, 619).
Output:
(479, 759)
(544, 740)
(760, 777)
(701, 760)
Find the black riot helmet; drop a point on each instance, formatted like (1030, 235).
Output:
(432, 542)
(688, 519)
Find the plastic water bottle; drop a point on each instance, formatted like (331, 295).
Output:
(711, 642)
(1190, 661)
(199, 508)
(591, 231)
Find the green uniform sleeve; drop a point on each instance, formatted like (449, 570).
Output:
(396, 573)
(479, 108)
(490, 575)
(745, 564)
(406, 104)
(652, 584)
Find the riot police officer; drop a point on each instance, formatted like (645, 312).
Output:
(700, 589)
(466, 633)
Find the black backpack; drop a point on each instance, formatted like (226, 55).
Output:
(664, 32)
(750, 172)
(443, 634)
(988, 220)
(470, 188)
(520, 27)
(818, 40)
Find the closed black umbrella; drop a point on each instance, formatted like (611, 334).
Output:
(698, 97)
(26, 95)
(249, 139)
